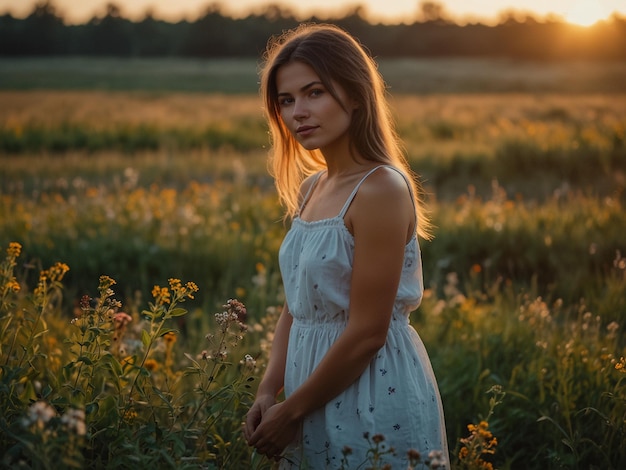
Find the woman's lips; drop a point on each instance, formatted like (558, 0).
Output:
(305, 131)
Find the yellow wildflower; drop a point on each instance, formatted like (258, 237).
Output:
(14, 250)
(151, 364)
(57, 271)
(130, 415)
(105, 282)
(161, 295)
(170, 338)
(13, 285)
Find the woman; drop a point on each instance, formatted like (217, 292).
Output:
(349, 362)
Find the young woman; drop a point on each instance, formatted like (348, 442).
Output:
(344, 352)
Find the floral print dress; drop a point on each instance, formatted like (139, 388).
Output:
(396, 397)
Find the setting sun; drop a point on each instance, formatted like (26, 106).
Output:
(586, 13)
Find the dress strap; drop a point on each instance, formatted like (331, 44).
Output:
(316, 178)
(346, 206)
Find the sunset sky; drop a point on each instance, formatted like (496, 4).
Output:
(582, 12)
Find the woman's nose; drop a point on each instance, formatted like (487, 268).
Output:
(300, 110)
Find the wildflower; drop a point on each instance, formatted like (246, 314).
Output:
(13, 286)
(130, 416)
(151, 365)
(612, 329)
(235, 306)
(414, 459)
(260, 279)
(248, 362)
(161, 295)
(121, 319)
(225, 318)
(621, 365)
(85, 302)
(414, 455)
(14, 250)
(181, 291)
(57, 271)
(105, 283)
(480, 442)
(347, 450)
(169, 338)
(48, 277)
(437, 459)
(378, 438)
(74, 419)
(39, 413)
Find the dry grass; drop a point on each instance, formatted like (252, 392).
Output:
(101, 109)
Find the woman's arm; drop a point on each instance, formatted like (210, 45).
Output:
(381, 219)
(273, 379)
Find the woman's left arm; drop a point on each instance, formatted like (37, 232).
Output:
(381, 218)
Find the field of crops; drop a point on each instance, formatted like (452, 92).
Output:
(526, 275)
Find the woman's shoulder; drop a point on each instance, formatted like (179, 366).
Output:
(386, 182)
(385, 190)
(306, 186)
(384, 199)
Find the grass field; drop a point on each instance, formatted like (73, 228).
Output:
(526, 276)
(449, 75)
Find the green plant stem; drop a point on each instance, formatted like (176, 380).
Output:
(17, 332)
(29, 342)
(154, 334)
(210, 381)
(204, 398)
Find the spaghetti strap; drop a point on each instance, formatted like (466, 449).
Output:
(309, 191)
(346, 206)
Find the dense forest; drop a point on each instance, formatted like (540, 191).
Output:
(215, 34)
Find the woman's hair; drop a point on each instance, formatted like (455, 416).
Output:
(337, 58)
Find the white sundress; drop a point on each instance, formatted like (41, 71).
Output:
(396, 396)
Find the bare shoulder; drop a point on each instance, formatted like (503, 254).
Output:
(386, 183)
(384, 199)
(306, 186)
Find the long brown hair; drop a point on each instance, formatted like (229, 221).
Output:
(336, 57)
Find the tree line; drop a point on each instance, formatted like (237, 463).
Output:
(215, 34)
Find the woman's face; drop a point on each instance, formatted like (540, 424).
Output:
(314, 117)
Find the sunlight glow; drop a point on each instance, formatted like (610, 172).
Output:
(586, 13)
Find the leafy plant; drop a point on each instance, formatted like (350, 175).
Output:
(113, 394)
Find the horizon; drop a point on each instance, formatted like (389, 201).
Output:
(579, 12)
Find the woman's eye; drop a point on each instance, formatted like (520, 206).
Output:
(316, 92)
(285, 101)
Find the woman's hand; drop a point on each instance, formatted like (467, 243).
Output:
(276, 430)
(257, 411)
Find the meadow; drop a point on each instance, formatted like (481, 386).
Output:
(118, 205)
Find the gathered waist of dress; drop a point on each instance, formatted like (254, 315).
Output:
(397, 321)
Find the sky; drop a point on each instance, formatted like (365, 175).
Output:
(582, 12)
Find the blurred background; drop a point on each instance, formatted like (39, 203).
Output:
(525, 43)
